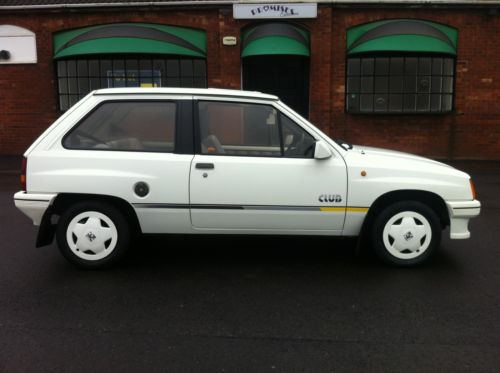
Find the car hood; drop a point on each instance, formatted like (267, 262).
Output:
(378, 171)
(391, 162)
(392, 155)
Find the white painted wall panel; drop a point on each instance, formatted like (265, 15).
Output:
(19, 42)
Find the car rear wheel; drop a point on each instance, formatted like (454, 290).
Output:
(406, 233)
(93, 234)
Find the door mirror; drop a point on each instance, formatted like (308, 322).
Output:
(321, 150)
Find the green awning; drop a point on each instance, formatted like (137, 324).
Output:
(126, 38)
(275, 38)
(402, 35)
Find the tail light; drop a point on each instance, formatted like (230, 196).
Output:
(473, 189)
(22, 178)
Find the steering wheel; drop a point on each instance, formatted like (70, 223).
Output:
(294, 146)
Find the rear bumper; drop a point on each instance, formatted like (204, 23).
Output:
(33, 205)
(460, 212)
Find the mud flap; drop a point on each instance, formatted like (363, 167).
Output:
(47, 230)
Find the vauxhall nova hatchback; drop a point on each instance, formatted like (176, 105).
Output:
(196, 161)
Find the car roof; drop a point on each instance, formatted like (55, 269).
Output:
(187, 91)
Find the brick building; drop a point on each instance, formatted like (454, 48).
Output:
(418, 76)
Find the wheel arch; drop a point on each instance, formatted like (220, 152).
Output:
(64, 200)
(432, 200)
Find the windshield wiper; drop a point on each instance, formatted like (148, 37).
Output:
(344, 144)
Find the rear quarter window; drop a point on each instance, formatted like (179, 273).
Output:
(147, 126)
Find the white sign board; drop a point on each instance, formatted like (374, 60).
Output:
(229, 40)
(274, 10)
(19, 42)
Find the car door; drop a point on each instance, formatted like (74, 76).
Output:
(255, 171)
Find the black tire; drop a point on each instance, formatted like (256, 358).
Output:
(105, 216)
(401, 244)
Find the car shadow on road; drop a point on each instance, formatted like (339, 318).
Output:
(155, 249)
(315, 253)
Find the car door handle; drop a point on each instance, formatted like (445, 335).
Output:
(205, 166)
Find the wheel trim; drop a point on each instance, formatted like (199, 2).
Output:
(407, 235)
(91, 235)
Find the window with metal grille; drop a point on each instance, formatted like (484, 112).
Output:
(400, 84)
(77, 77)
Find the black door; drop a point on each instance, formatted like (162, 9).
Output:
(284, 76)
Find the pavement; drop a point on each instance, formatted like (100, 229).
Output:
(251, 304)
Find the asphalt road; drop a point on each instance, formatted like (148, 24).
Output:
(252, 304)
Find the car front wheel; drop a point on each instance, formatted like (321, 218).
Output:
(92, 234)
(406, 233)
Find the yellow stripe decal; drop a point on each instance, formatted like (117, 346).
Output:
(357, 209)
(344, 209)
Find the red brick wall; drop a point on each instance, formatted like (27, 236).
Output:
(28, 93)
(28, 99)
(473, 131)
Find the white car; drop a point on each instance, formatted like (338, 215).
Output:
(209, 161)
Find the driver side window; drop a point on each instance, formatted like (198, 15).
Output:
(254, 130)
(297, 143)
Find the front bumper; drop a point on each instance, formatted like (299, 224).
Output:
(460, 212)
(33, 205)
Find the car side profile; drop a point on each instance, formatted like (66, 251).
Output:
(208, 161)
